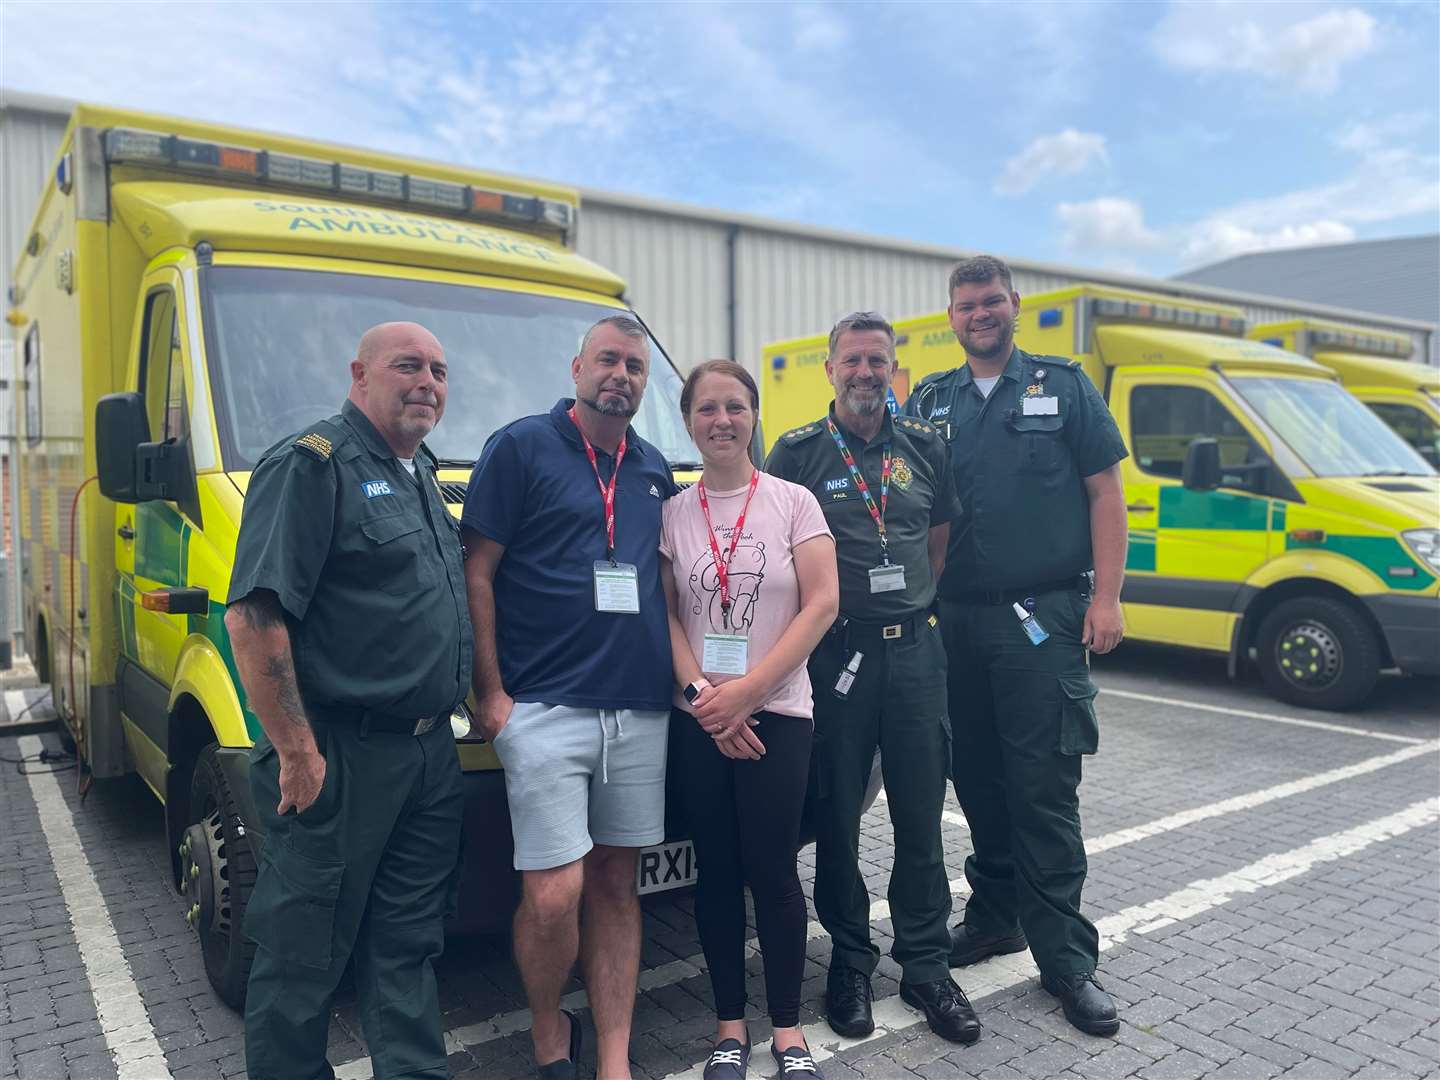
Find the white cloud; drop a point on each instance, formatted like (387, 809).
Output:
(1107, 225)
(1282, 43)
(1216, 238)
(1368, 135)
(1065, 153)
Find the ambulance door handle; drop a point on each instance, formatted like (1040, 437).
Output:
(126, 532)
(1139, 508)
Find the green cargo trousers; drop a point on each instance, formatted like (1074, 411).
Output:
(1022, 716)
(896, 705)
(364, 873)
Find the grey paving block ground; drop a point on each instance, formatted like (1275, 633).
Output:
(1334, 971)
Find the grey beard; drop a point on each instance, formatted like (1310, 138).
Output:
(610, 407)
(861, 403)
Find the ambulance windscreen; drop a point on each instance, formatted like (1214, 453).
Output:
(279, 341)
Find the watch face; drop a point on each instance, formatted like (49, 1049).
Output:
(691, 692)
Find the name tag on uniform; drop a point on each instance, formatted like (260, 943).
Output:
(887, 578)
(726, 654)
(1040, 406)
(617, 588)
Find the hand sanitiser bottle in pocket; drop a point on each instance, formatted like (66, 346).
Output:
(1031, 625)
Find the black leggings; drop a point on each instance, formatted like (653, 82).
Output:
(744, 817)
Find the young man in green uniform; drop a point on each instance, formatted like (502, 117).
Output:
(879, 678)
(351, 633)
(1035, 456)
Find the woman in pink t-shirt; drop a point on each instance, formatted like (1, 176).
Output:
(748, 566)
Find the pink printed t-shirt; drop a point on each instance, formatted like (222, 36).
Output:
(764, 591)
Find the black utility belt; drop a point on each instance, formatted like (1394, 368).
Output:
(852, 631)
(1011, 595)
(367, 720)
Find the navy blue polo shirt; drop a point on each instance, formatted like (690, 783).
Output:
(534, 492)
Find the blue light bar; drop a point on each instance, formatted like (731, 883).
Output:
(1051, 317)
(777, 363)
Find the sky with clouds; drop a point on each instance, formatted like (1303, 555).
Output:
(1138, 136)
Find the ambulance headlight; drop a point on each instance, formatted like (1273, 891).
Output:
(462, 724)
(1425, 543)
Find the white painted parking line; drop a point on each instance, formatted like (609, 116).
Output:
(123, 1020)
(949, 816)
(1249, 714)
(892, 1016)
(675, 971)
(15, 704)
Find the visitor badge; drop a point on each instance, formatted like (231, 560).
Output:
(617, 588)
(726, 654)
(887, 578)
(1040, 406)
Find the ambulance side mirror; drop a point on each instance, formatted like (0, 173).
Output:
(1201, 471)
(120, 427)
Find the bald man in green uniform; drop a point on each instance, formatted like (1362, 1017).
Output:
(351, 631)
(1035, 455)
(879, 679)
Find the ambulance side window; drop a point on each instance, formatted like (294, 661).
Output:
(157, 343)
(177, 408)
(1164, 420)
(1412, 425)
(31, 376)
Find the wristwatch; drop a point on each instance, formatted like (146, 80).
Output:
(692, 691)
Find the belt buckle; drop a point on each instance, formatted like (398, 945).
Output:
(890, 633)
(423, 725)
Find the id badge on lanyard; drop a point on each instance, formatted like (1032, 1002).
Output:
(725, 653)
(617, 584)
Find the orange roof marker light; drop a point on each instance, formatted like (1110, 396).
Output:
(157, 149)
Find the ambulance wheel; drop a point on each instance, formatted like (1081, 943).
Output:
(1319, 653)
(217, 871)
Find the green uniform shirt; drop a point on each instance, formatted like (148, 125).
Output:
(921, 496)
(1020, 469)
(366, 562)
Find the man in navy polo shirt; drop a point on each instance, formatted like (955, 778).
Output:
(573, 678)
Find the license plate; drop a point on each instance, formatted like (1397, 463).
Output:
(666, 866)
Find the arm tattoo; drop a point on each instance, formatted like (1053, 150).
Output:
(261, 609)
(280, 670)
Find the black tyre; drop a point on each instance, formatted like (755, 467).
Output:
(1319, 653)
(217, 871)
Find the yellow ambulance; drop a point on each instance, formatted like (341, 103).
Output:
(210, 284)
(1271, 514)
(1374, 367)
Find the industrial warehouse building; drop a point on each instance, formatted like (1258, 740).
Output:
(713, 283)
(709, 282)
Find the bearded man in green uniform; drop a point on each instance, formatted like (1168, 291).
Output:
(1035, 454)
(351, 632)
(879, 678)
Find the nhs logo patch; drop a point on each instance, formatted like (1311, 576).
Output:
(842, 484)
(372, 488)
(944, 410)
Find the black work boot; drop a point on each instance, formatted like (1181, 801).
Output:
(1087, 1006)
(847, 1003)
(970, 947)
(946, 1008)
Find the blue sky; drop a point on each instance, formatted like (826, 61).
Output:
(1138, 136)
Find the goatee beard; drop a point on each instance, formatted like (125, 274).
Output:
(609, 407)
(864, 402)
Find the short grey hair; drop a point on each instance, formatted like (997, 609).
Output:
(626, 324)
(862, 320)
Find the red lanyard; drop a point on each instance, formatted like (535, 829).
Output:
(722, 564)
(606, 493)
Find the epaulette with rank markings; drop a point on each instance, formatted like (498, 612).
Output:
(1058, 361)
(799, 434)
(916, 424)
(316, 445)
